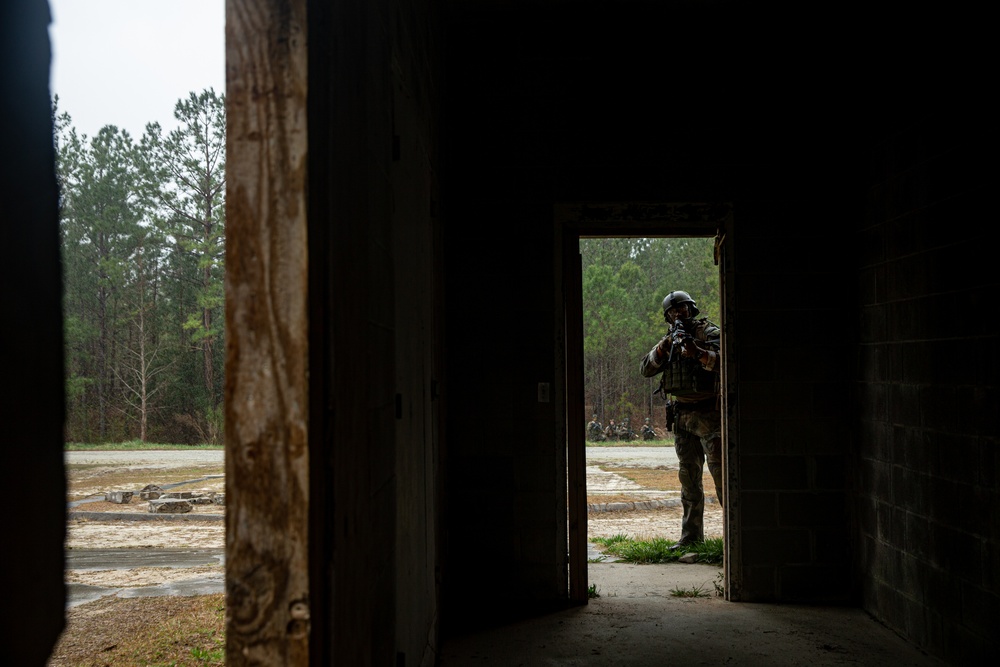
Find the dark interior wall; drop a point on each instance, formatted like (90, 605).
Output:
(31, 462)
(790, 448)
(418, 301)
(928, 537)
(547, 108)
(373, 305)
(354, 323)
(645, 103)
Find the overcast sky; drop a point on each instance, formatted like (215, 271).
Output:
(127, 62)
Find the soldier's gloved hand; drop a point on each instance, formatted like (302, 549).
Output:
(663, 347)
(691, 349)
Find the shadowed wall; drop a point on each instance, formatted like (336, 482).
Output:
(437, 153)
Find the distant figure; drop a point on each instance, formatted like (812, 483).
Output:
(611, 431)
(595, 431)
(647, 431)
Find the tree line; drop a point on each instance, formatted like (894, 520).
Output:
(624, 283)
(142, 223)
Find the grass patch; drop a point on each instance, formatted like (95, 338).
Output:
(592, 592)
(693, 592)
(131, 445)
(667, 442)
(657, 550)
(145, 631)
(610, 541)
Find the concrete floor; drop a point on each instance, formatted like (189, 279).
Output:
(637, 622)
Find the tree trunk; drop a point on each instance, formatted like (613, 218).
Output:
(206, 277)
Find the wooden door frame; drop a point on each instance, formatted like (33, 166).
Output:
(576, 220)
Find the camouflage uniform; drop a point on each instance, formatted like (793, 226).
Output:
(647, 431)
(697, 421)
(595, 431)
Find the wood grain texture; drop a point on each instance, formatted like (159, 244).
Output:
(267, 459)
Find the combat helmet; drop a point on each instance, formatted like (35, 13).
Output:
(677, 298)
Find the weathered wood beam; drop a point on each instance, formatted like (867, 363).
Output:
(266, 400)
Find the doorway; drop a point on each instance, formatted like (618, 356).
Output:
(635, 220)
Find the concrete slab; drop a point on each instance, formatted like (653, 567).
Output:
(618, 579)
(637, 623)
(129, 559)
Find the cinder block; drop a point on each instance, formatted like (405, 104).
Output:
(119, 497)
(168, 506)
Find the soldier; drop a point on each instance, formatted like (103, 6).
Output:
(647, 431)
(688, 358)
(595, 431)
(611, 431)
(626, 432)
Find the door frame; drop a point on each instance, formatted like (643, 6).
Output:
(576, 220)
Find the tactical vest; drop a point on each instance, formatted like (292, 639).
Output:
(686, 376)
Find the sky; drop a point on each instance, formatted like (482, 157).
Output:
(127, 62)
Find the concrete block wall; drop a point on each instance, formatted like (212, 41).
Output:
(505, 473)
(928, 489)
(505, 458)
(791, 445)
(570, 107)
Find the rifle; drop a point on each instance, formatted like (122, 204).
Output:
(678, 334)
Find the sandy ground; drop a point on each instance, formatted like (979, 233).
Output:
(141, 576)
(130, 534)
(86, 534)
(662, 522)
(91, 474)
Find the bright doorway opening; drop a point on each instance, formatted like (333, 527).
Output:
(637, 508)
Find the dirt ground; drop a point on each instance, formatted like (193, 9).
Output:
(88, 480)
(90, 639)
(88, 534)
(661, 522)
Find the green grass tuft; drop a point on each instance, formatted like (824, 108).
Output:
(693, 592)
(608, 541)
(657, 550)
(131, 445)
(667, 442)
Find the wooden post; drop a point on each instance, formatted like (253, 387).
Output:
(266, 399)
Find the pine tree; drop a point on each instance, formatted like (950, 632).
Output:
(624, 282)
(101, 210)
(189, 164)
